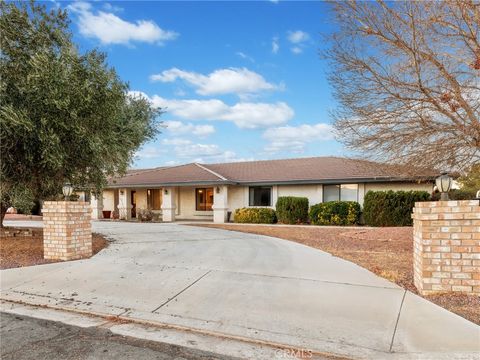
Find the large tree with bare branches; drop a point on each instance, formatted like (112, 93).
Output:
(407, 79)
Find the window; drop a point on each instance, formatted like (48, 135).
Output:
(154, 199)
(331, 193)
(204, 199)
(343, 192)
(349, 192)
(260, 196)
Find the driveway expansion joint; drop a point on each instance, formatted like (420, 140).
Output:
(398, 319)
(181, 291)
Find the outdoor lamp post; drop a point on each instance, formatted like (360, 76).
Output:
(444, 183)
(67, 190)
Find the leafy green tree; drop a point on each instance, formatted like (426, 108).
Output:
(64, 116)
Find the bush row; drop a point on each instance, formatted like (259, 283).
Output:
(391, 208)
(335, 213)
(457, 194)
(294, 210)
(380, 208)
(255, 216)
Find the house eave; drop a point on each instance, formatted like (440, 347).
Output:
(169, 184)
(271, 183)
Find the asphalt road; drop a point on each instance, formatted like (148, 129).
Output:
(25, 338)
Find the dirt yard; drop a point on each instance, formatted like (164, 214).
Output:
(387, 252)
(26, 250)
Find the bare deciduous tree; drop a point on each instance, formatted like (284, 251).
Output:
(407, 78)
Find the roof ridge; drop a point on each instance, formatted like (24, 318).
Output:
(211, 171)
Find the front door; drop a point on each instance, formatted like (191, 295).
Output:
(133, 200)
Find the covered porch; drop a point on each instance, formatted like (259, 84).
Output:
(167, 203)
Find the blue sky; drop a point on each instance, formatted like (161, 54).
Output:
(238, 80)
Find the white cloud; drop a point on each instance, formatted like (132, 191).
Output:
(221, 81)
(110, 29)
(188, 151)
(296, 50)
(176, 142)
(149, 152)
(275, 45)
(245, 56)
(247, 115)
(109, 7)
(198, 150)
(178, 127)
(294, 138)
(297, 37)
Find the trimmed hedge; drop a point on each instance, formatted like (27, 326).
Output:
(292, 209)
(255, 216)
(391, 208)
(335, 213)
(457, 194)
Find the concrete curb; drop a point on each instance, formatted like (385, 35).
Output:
(257, 349)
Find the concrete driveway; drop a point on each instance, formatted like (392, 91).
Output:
(246, 286)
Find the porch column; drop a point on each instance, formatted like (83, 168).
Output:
(124, 205)
(168, 204)
(220, 204)
(96, 203)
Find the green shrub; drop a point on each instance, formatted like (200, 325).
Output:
(391, 208)
(335, 213)
(292, 210)
(145, 215)
(255, 216)
(457, 194)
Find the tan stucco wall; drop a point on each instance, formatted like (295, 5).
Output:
(141, 198)
(186, 205)
(237, 197)
(312, 192)
(108, 200)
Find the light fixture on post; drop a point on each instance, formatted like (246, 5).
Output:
(444, 183)
(67, 190)
(218, 190)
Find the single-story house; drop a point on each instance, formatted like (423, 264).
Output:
(212, 192)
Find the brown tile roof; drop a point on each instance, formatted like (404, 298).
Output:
(310, 169)
(300, 170)
(183, 174)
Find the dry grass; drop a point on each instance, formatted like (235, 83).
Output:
(387, 252)
(20, 251)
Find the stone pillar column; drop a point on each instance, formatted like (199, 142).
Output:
(67, 232)
(168, 204)
(446, 246)
(97, 207)
(124, 204)
(220, 204)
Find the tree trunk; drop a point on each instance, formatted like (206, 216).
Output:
(3, 211)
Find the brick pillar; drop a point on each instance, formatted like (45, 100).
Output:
(446, 246)
(67, 233)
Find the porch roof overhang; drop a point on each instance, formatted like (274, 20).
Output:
(418, 179)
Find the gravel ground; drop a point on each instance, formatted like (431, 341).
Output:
(387, 252)
(19, 251)
(25, 338)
